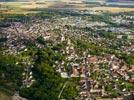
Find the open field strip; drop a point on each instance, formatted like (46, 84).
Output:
(27, 7)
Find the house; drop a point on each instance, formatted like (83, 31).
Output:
(75, 72)
(132, 69)
(85, 84)
(84, 93)
(92, 59)
(114, 66)
(131, 80)
(98, 92)
(64, 75)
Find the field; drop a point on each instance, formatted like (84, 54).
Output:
(113, 9)
(27, 7)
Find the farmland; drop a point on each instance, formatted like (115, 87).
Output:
(27, 7)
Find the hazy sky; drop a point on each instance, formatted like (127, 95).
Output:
(71, 0)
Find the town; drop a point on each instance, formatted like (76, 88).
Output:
(87, 55)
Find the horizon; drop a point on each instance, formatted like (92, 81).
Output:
(121, 1)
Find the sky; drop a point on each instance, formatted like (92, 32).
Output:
(76, 0)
